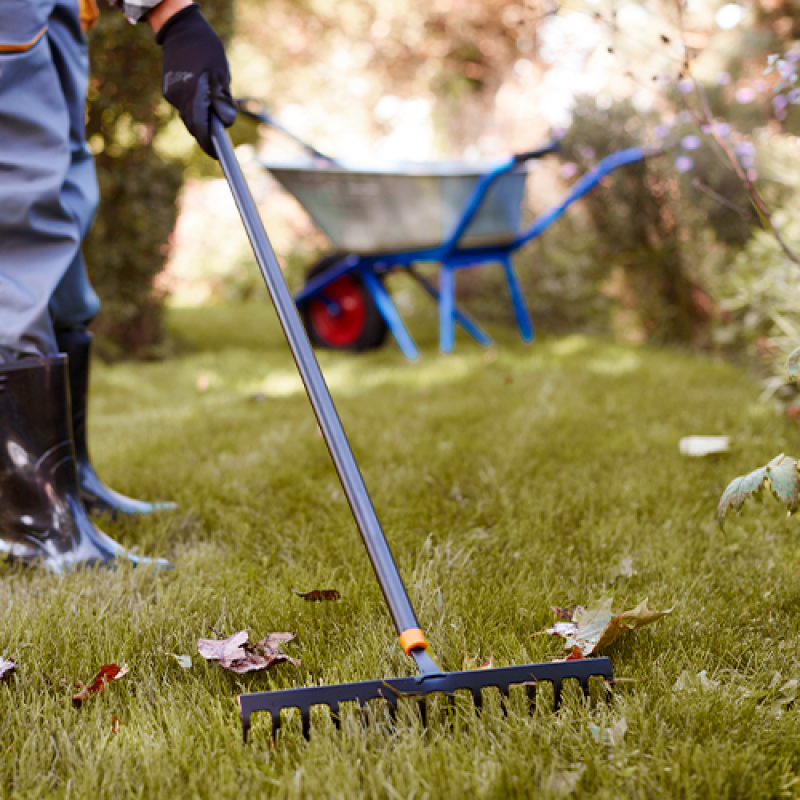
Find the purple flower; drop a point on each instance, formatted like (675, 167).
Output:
(724, 78)
(779, 102)
(793, 56)
(722, 128)
(662, 130)
(558, 133)
(793, 96)
(683, 163)
(685, 86)
(745, 95)
(745, 149)
(785, 69)
(748, 161)
(690, 142)
(568, 170)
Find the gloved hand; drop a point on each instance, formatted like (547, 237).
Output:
(196, 78)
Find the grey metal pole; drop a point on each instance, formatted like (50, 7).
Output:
(349, 474)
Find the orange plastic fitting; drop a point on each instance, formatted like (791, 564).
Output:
(411, 639)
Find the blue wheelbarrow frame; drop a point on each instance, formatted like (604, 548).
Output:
(451, 254)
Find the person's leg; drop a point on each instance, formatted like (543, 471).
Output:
(43, 216)
(44, 211)
(74, 302)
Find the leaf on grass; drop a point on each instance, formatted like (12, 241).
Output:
(598, 627)
(115, 723)
(317, 595)
(183, 661)
(793, 364)
(563, 783)
(567, 613)
(623, 570)
(238, 655)
(574, 655)
(7, 669)
(787, 695)
(780, 476)
(108, 673)
(471, 662)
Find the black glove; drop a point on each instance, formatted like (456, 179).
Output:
(196, 76)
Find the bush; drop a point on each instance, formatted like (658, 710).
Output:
(138, 187)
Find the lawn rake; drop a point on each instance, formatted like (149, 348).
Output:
(430, 680)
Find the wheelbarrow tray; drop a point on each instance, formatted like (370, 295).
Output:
(401, 206)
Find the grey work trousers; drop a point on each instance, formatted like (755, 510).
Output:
(48, 187)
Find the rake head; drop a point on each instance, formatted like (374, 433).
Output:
(419, 688)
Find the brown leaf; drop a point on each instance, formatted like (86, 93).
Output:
(274, 640)
(226, 651)
(7, 669)
(597, 627)
(574, 655)
(108, 673)
(115, 723)
(238, 655)
(569, 613)
(316, 595)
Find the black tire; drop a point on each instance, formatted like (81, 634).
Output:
(361, 328)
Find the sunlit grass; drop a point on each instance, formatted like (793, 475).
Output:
(507, 481)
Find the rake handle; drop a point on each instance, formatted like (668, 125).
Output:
(380, 555)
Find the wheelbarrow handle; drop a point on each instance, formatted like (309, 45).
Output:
(521, 158)
(349, 474)
(244, 104)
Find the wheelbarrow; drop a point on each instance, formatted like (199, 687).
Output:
(459, 215)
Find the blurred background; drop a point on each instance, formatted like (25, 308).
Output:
(670, 251)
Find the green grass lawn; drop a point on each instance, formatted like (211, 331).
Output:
(507, 483)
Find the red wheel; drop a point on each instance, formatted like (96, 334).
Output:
(340, 327)
(349, 320)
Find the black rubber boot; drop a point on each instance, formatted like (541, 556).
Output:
(97, 497)
(42, 517)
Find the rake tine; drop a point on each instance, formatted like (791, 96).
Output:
(477, 699)
(276, 723)
(336, 717)
(423, 712)
(530, 689)
(305, 715)
(556, 695)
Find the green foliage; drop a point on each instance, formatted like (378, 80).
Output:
(779, 476)
(138, 187)
(645, 222)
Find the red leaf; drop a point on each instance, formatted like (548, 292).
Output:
(316, 595)
(108, 673)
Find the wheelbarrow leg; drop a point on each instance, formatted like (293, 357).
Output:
(468, 324)
(389, 312)
(518, 301)
(447, 302)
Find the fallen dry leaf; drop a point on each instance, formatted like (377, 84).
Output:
(115, 723)
(597, 627)
(7, 669)
(108, 673)
(238, 655)
(471, 662)
(574, 655)
(316, 595)
(568, 613)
